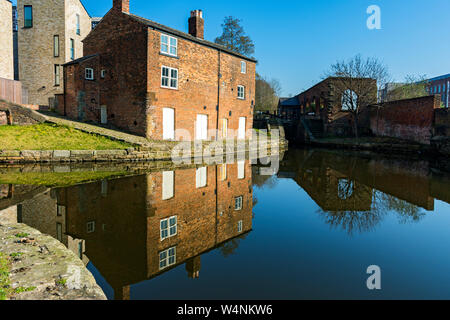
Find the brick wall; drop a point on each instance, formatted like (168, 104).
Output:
(410, 119)
(130, 54)
(442, 122)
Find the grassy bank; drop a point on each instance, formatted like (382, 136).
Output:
(57, 179)
(53, 137)
(4, 277)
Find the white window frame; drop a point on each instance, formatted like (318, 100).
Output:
(103, 74)
(169, 45)
(169, 78)
(86, 74)
(241, 92)
(240, 226)
(238, 203)
(243, 67)
(171, 230)
(167, 258)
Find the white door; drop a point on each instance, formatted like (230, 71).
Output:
(241, 170)
(168, 185)
(224, 128)
(202, 127)
(168, 124)
(201, 177)
(242, 124)
(103, 115)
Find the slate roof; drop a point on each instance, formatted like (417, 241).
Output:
(81, 59)
(289, 102)
(187, 36)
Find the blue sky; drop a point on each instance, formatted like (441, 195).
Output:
(297, 41)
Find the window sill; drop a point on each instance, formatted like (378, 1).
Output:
(168, 88)
(168, 55)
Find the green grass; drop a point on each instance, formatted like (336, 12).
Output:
(54, 137)
(22, 235)
(57, 179)
(5, 289)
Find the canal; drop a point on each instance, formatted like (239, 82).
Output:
(310, 231)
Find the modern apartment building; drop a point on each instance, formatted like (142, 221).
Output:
(440, 85)
(6, 41)
(151, 80)
(50, 34)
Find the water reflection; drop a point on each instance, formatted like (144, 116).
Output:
(354, 192)
(200, 221)
(136, 228)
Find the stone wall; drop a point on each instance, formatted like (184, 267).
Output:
(18, 115)
(6, 41)
(37, 59)
(410, 119)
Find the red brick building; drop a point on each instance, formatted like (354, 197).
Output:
(148, 79)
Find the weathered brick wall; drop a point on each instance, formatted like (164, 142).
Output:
(410, 119)
(130, 54)
(442, 122)
(326, 103)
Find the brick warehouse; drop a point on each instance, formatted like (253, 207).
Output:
(150, 80)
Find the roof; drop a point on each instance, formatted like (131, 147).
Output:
(80, 59)
(445, 76)
(289, 102)
(187, 36)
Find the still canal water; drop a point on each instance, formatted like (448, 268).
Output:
(226, 232)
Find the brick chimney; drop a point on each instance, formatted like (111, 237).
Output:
(197, 24)
(122, 5)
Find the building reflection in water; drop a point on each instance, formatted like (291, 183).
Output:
(136, 228)
(355, 192)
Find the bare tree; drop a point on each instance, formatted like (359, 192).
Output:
(355, 81)
(267, 94)
(412, 87)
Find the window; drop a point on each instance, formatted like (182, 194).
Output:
(240, 226)
(78, 25)
(56, 46)
(104, 188)
(201, 177)
(72, 49)
(90, 226)
(57, 75)
(169, 78)
(60, 210)
(349, 100)
(243, 67)
(59, 231)
(238, 203)
(241, 92)
(167, 258)
(28, 16)
(169, 45)
(103, 74)
(168, 228)
(89, 74)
